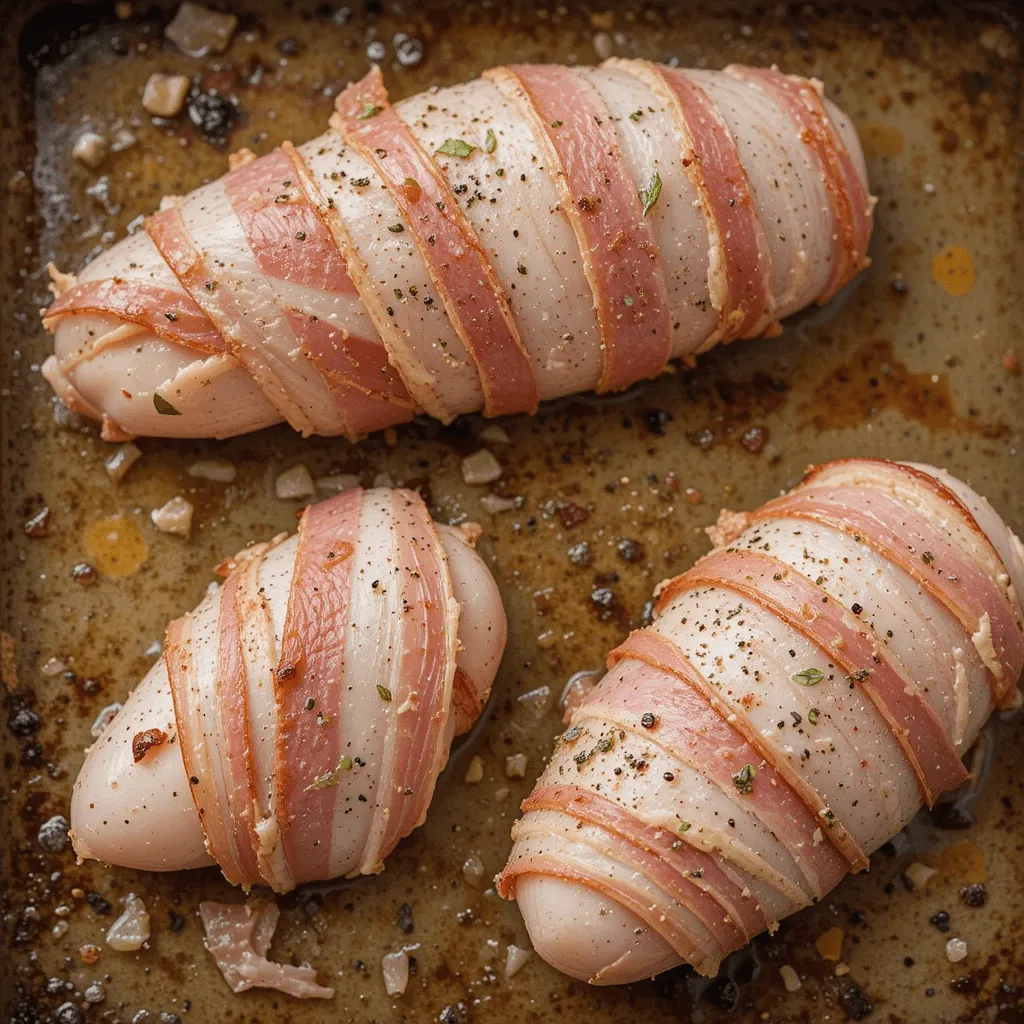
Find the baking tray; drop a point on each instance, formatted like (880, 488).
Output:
(897, 366)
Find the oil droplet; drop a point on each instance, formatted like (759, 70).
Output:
(953, 270)
(964, 862)
(880, 139)
(116, 546)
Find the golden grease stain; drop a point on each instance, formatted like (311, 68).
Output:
(953, 270)
(874, 380)
(880, 139)
(964, 862)
(116, 546)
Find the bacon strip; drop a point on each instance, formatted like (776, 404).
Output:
(807, 608)
(739, 265)
(661, 915)
(786, 803)
(473, 295)
(927, 493)
(415, 747)
(599, 199)
(851, 204)
(685, 867)
(308, 754)
(292, 243)
(905, 537)
(170, 236)
(196, 722)
(233, 701)
(169, 314)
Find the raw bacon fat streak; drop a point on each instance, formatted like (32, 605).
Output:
(297, 723)
(537, 232)
(804, 688)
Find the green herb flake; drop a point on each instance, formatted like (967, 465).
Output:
(300, 235)
(649, 194)
(809, 677)
(385, 693)
(455, 147)
(812, 716)
(636, 115)
(330, 778)
(164, 407)
(927, 558)
(490, 142)
(360, 182)
(396, 229)
(369, 110)
(556, 124)
(684, 826)
(743, 780)
(861, 674)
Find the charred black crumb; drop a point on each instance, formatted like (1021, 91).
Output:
(940, 920)
(177, 922)
(853, 1001)
(23, 722)
(98, 904)
(404, 919)
(581, 555)
(975, 895)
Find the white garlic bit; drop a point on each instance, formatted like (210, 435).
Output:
(131, 930)
(90, 149)
(175, 516)
(164, 95)
(219, 471)
(481, 468)
(515, 959)
(294, 484)
(123, 457)
(198, 31)
(396, 972)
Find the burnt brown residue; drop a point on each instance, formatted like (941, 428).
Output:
(732, 406)
(143, 742)
(875, 380)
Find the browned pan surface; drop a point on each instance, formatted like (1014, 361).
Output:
(899, 367)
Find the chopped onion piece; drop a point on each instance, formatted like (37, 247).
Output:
(198, 31)
(294, 484)
(174, 517)
(515, 766)
(515, 959)
(481, 468)
(475, 770)
(131, 930)
(123, 457)
(396, 972)
(220, 471)
(337, 484)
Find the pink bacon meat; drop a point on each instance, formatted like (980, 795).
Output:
(620, 254)
(726, 729)
(331, 324)
(456, 261)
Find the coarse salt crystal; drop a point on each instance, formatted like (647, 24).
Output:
(294, 484)
(956, 950)
(481, 468)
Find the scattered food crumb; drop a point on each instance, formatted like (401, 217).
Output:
(164, 95)
(918, 875)
(131, 930)
(174, 516)
(493, 434)
(123, 457)
(294, 484)
(218, 471)
(473, 869)
(515, 959)
(474, 770)
(336, 484)
(496, 503)
(91, 149)
(956, 950)
(842, 969)
(39, 525)
(198, 31)
(8, 665)
(790, 978)
(830, 944)
(395, 967)
(53, 834)
(481, 468)
(515, 766)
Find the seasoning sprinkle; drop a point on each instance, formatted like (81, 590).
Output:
(396, 229)
(163, 407)
(636, 115)
(385, 693)
(650, 192)
(490, 142)
(455, 147)
(812, 716)
(743, 780)
(809, 677)
(369, 110)
(684, 826)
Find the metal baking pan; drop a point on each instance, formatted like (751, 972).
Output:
(899, 366)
